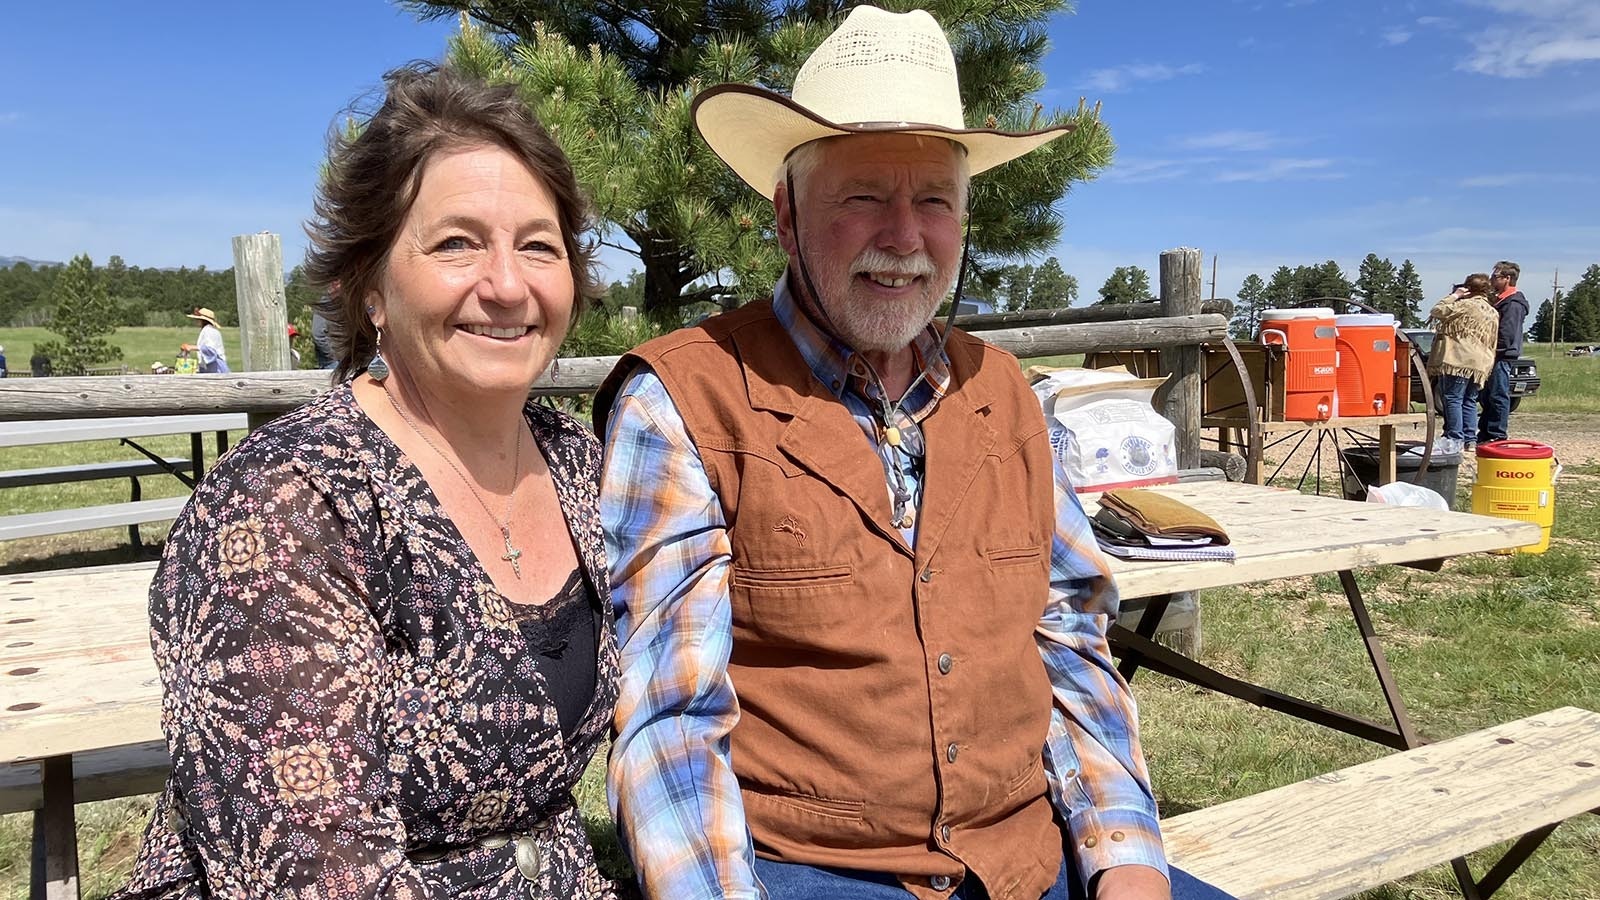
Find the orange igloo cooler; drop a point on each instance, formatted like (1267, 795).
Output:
(1311, 357)
(1365, 367)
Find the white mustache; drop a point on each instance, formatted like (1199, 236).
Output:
(875, 260)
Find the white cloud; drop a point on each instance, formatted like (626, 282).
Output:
(1121, 78)
(1394, 37)
(1507, 179)
(1535, 35)
(1287, 169)
(1134, 170)
(1232, 141)
(1435, 22)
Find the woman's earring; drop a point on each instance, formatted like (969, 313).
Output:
(377, 369)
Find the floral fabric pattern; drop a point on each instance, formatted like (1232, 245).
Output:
(349, 705)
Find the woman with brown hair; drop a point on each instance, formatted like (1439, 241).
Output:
(382, 623)
(1462, 354)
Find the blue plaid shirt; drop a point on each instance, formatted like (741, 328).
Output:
(671, 782)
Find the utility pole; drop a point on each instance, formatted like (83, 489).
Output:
(1555, 312)
(1213, 276)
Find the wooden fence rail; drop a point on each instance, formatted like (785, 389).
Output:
(271, 393)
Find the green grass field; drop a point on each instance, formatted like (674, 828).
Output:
(140, 346)
(1488, 639)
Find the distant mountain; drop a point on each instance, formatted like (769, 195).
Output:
(7, 262)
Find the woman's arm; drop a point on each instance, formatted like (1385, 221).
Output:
(277, 695)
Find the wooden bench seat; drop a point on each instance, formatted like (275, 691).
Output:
(62, 521)
(131, 468)
(1368, 825)
(96, 775)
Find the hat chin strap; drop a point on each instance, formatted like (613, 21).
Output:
(814, 299)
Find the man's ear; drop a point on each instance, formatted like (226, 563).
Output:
(782, 212)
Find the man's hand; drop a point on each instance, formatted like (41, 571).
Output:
(1132, 883)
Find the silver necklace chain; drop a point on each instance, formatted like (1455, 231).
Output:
(512, 554)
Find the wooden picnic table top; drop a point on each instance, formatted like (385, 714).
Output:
(77, 675)
(61, 431)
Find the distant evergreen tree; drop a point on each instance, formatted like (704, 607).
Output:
(1052, 287)
(1284, 290)
(1408, 296)
(1580, 309)
(1252, 299)
(1375, 284)
(1545, 318)
(1127, 284)
(1016, 287)
(84, 312)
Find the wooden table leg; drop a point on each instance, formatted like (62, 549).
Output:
(1388, 466)
(55, 835)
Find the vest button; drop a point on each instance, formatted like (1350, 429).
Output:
(951, 751)
(944, 833)
(939, 882)
(927, 575)
(945, 663)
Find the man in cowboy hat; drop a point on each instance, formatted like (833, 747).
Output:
(213, 356)
(863, 620)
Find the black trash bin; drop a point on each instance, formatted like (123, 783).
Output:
(1361, 469)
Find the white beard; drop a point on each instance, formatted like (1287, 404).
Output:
(873, 324)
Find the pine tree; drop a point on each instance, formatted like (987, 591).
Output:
(1017, 287)
(1284, 290)
(83, 313)
(1052, 287)
(1408, 296)
(1127, 284)
(1375, 284)
(1252, 299)
(1580, 309)
(613, 83)
(1544, 318)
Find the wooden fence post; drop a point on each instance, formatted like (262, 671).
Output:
(1181, 296)
(263, 308)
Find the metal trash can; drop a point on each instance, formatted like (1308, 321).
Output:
(1360, 468)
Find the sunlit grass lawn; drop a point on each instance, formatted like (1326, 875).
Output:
(140, 346)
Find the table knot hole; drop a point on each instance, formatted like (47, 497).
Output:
(23, 707)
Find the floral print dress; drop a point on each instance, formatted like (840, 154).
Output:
(351, 707)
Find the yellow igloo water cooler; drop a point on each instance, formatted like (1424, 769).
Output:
(1516, 480)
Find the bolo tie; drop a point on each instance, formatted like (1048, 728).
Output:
(887, 412)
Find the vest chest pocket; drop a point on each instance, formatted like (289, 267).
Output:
(794, 604)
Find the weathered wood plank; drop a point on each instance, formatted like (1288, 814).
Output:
(273, 393)
(1367, 825)
(64, 521)
(96, 775)
(263, 307)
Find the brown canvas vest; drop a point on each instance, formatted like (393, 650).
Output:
(893, 703)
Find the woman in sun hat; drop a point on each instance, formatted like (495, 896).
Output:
(382, 623)
(213, 355)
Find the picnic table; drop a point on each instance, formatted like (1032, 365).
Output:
(125, 429)
(80, 682)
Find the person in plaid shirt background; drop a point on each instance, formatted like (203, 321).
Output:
(862, 614)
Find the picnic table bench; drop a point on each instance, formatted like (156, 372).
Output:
(80, 683)
(124, 429)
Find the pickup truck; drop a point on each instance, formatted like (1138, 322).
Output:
(1524, 372)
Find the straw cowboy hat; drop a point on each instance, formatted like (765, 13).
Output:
(204, 314)
(879, 72)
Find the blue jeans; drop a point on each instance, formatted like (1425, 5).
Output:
(792, 881)
(1458, 395)
(1496, 399)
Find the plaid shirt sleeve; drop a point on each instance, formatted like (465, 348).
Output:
(670, 782)
(1096, 770)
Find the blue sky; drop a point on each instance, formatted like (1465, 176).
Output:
(1268, 132)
